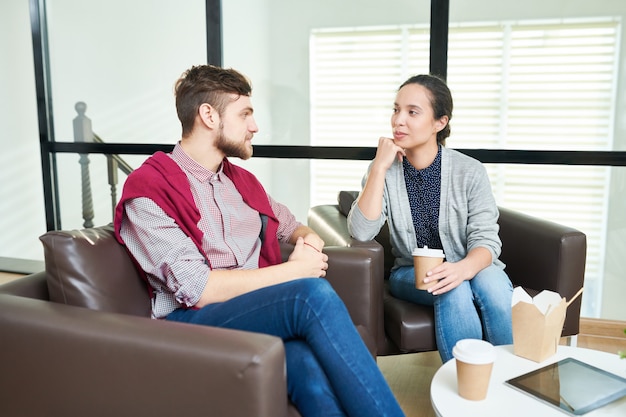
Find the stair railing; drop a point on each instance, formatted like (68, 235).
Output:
(83, 133)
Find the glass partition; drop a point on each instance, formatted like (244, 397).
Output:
(116, 64)
(122, 58)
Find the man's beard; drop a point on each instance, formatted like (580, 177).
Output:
(231, 148)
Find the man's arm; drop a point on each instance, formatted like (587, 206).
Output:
(310, 237)
(306, 260)
(166, 253)
(303, 262)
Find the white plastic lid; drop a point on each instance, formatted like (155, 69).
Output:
(431, 253)
(474, 351)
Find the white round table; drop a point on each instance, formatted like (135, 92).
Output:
(503, 400)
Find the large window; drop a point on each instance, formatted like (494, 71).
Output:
(542, 85)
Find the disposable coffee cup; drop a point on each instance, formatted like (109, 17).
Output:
(425, 259)
(474, 362)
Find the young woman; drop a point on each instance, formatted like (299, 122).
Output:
(434, 196)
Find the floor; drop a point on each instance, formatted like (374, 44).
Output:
(409, 375)
(6, 277)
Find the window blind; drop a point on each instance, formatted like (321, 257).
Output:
(545, 85)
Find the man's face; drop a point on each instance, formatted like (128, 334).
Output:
(237, 127)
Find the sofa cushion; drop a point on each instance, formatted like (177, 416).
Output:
(345, 200)
(410, 326)
(89, 268)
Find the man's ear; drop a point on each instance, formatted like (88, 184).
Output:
(208, 115)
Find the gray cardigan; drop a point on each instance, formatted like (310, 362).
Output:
(468, 213)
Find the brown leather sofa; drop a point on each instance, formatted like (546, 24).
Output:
(77, 340)
(539, 254)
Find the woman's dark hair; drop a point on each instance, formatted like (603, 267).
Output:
(207, 84)
(440, 100)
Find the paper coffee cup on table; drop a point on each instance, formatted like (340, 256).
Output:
(425, 259)
(474, 362)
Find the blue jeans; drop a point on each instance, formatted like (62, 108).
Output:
(477, 309)
(330, 372)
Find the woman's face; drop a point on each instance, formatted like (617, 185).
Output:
(413, 121)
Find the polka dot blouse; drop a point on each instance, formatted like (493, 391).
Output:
(423, 188)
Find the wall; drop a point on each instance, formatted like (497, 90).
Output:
(22, 216)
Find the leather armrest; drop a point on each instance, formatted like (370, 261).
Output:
(63, 360)
(543, 255)
(330, 224)
(354, 274)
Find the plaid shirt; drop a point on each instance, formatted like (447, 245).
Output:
(175, 268)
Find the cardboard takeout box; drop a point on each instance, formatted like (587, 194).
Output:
(537, 323)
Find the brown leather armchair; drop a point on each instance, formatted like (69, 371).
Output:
(77, 340)
(539, 254)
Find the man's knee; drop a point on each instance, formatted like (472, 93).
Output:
(319, 292)
(315, 286)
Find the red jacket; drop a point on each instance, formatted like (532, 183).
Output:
(160, 179)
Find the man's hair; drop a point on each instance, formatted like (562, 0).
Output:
(440, 100)
(207, 84)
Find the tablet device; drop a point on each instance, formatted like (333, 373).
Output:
(571, 386)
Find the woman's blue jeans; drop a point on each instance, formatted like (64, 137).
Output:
(477, 309)
(330, 372)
